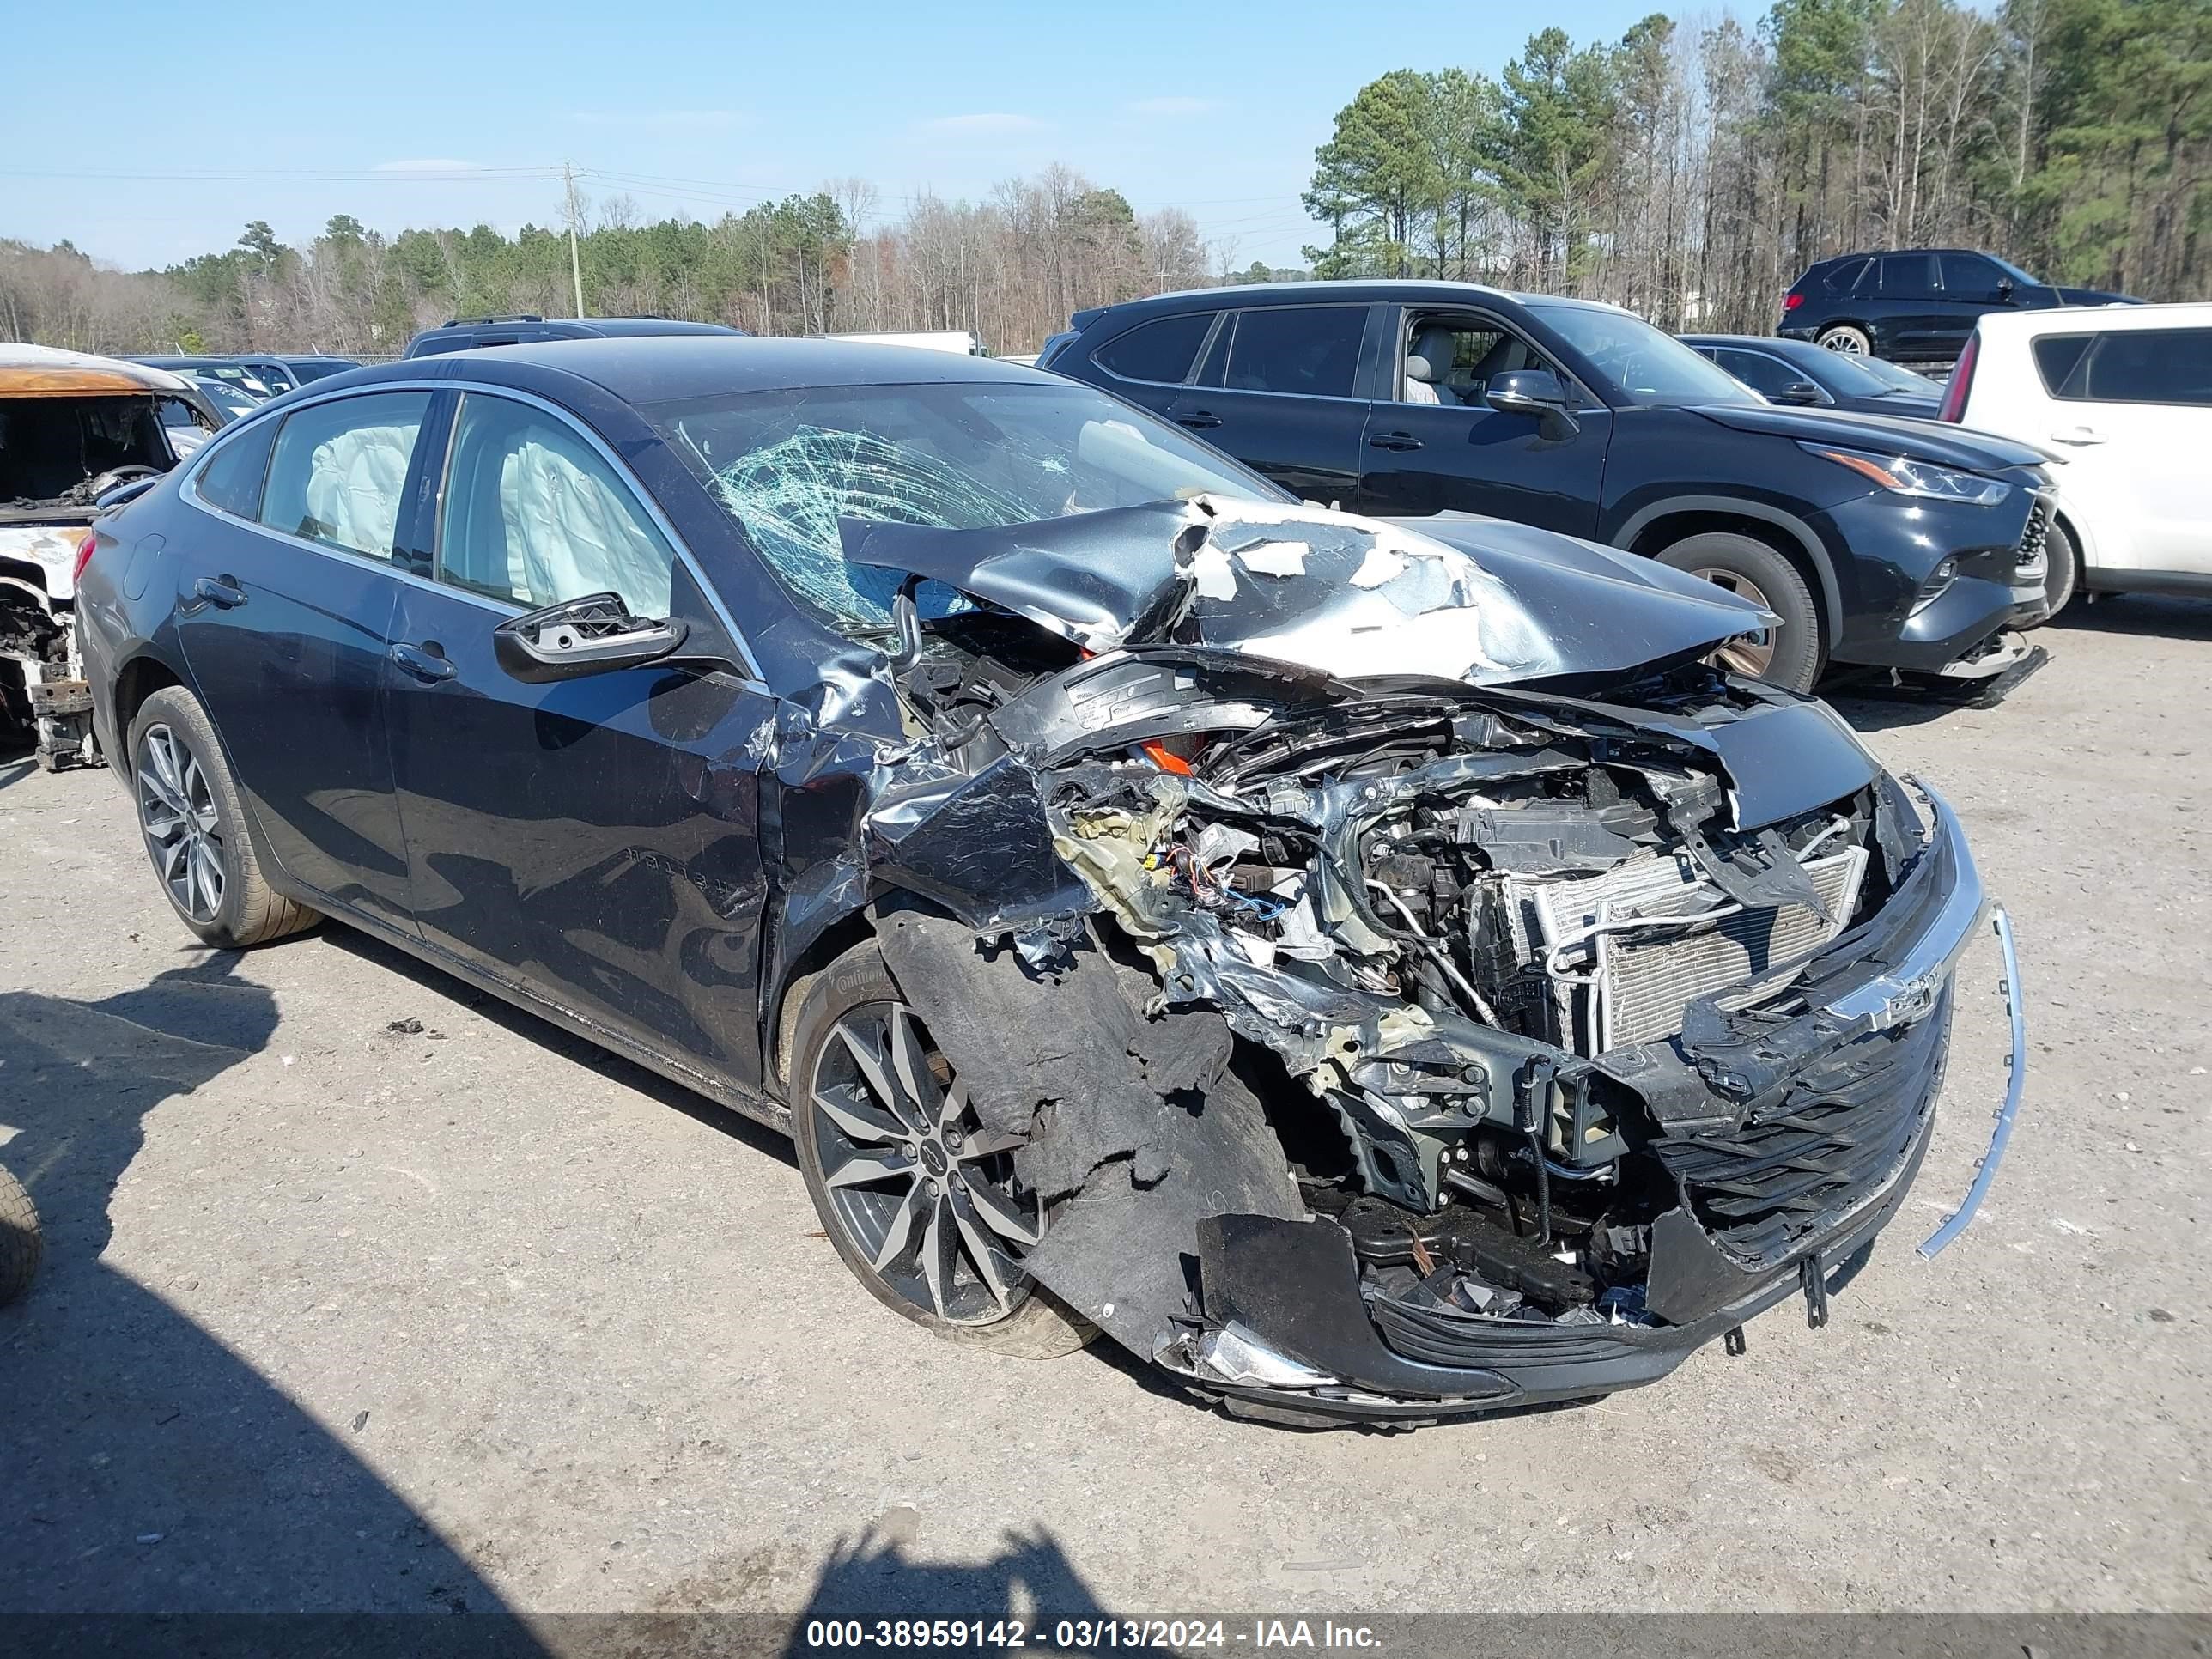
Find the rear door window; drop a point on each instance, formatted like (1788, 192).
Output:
(1905, 275)
(2130, 366)
(1845, 276)
(1303, 350)
(1161, 351)
(339, 472)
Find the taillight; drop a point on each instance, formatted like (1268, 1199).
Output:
(1962, 382)
(1792, 301)
(83, 557)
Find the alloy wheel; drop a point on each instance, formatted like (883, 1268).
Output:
(1751, 655)
(184, 832)
(923, 1193)
(1850, 344)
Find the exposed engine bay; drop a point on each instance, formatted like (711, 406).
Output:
(1493, 1001)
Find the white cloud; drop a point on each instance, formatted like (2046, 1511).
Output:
(1173, 107)
(991, 123)
(428, 164)
(660, 119)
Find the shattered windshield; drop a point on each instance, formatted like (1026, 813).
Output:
(788, 465)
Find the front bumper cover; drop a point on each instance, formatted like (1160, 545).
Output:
(1288, 1336)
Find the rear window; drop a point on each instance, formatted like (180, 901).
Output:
(1306, 350)
(1161, 351)
(2128, 366)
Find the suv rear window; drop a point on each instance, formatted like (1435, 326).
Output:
(1307, 350)
(1160, 350)
(1845, 274)
(2128, 366)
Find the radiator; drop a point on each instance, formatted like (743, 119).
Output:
(1623, 974)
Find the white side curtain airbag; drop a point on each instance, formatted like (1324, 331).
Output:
(355, 479)
(568, 533)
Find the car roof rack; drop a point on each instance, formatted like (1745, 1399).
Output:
(471, 322)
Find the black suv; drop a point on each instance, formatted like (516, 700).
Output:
(467, 333)
(1888, 543)
(1917, 306)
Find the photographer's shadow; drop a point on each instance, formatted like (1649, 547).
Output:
(145, 1466)
(872, 1577)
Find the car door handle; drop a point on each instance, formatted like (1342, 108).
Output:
(2078, 435)
(1393, 441)
(221, 591)
(425, 662)
(1198, 419)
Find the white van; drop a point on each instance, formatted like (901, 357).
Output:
(2122, 398)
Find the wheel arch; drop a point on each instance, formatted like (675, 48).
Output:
(136, 680)
(1663, 524)
(793, 979)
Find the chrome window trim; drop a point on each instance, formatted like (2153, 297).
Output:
(306, 398)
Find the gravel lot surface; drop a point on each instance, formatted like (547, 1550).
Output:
(340, 1317)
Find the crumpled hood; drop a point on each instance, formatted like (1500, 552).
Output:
(1477, 600)
(1919, 440)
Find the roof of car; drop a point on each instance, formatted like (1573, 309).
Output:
(2099, 318)
(650, 369)
(1365, 289)
(610, 327)
(32, 371)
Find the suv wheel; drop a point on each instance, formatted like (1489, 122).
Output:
(1848, 338)
(194, 828)
(1789, 656)
(2063, 560)
(920, 1199)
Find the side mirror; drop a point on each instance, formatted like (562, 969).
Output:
(1799, 391)
(591, 635)
(1532, 391)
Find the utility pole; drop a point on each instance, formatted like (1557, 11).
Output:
(575, 260)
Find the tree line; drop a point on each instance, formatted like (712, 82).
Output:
(1688, 172)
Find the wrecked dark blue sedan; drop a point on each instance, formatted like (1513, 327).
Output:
(1375, 974)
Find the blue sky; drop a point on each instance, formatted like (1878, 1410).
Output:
(409, 113)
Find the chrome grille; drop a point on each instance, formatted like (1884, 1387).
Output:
(1623, 972)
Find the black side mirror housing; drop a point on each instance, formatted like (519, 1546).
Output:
(595, 635)
(1799, 391)
(1534, 392)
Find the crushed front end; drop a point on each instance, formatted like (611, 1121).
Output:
(1409, 1048)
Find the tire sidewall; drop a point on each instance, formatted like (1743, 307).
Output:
(2063, 578)
(1800, 652)
(1845, 331)
(178, 709)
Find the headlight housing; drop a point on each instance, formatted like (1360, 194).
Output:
(1904, 477)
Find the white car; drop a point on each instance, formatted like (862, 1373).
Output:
(2121, 395)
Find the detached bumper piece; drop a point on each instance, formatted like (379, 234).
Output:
(1981, 678)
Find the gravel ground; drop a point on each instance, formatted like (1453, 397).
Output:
(337, 1316)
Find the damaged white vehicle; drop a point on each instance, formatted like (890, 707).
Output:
(1378, 972)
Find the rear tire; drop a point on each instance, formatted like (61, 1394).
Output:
(1756, 571)
(861, 1212)
(2063, 578)
(194, 827)
(1847, 337)
(21, 1245)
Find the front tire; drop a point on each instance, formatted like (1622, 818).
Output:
(20, 1242)
(918, 1197)
(1847, 337)
(194, 828)
(1790, 656)
(2062, 579)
